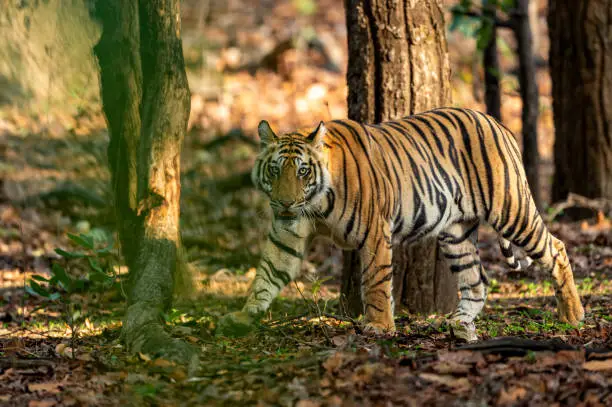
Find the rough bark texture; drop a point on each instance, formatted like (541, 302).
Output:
(398, 65)
(529, 95)
(581, 70)
(146, 101)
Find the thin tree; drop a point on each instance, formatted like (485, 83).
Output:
(146, 100)
(581, 70)
(398, 65)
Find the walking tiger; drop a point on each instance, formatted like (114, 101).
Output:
(372, 187)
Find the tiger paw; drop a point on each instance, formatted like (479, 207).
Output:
(463, 331)
(236, 324)
(374, 328)
(570, 309)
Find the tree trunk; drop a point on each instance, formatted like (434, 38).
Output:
(492, 72)
(529, 95)
(581, 70)
(146, 100)
(398, 65)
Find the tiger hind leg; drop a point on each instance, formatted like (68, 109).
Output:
(526, 230)
(549, 252)
(458, 246)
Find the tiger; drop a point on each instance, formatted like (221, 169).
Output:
(371, 188)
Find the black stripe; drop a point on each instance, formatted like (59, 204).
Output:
(284, 247)
(506, 251)
(457, 255)
(456, 268)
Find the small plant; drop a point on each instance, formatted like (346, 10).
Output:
(62, 286)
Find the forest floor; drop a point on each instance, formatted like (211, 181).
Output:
(64, 347)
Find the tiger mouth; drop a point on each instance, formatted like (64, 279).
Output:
(286, 215)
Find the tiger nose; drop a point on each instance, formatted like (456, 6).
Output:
(286, 204)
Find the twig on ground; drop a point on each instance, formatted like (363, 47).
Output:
(282, 321)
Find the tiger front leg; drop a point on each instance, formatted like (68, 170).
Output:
(458, 246)
(376, 283)
(280, 263)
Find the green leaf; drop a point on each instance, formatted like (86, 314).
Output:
(95, 266)
(69, 255)
(507, 5)
(316, 286)
(86, 242)
(36, 289)
(60, 274)
(39, 278)
(484, 34)
(104, 252)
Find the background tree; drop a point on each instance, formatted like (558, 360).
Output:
(146, 100)
(581, 71)
(398, 65)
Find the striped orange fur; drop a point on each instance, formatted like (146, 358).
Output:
(370, 187)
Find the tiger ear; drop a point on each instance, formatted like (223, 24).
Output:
(266, 135)
(316, 137)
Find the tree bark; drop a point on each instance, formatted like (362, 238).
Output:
(529, 95)
(398, 65)
(581, 70)
(146, 100)
(492, 72)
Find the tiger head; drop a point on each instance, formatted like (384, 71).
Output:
(291, 170)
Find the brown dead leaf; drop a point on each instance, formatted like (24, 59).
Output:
(567, 356)
(49, 387)
(163, 363)
(451, 368)
(463, 357)
(339, 340)
(461, 383)
(598, 365)
(42, 403)
(511, 397)
(335, 361)
(308, 403)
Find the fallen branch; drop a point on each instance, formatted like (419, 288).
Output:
(579, 201)
(510, 346)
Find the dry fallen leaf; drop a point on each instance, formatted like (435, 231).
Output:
(144, 357)
(49, 387)
(42, 403)
(598, 365)
(447, 380)
(451, 368)
(511, 397)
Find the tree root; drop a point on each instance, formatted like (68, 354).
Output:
(143, 331)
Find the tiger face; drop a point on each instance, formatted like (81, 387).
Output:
(291, 170)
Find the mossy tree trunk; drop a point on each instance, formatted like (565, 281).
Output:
(581, 70)
(146, 100)
(398, 65)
